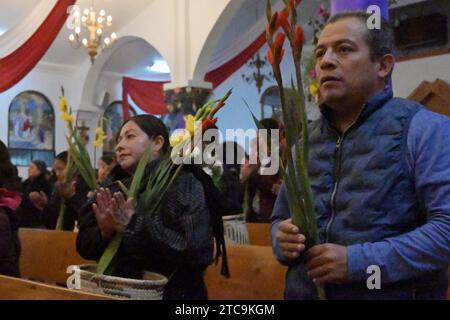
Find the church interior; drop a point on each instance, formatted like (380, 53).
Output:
(73, 73)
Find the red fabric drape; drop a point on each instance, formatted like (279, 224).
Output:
(18, 64)
(220, 74)
(148, 95)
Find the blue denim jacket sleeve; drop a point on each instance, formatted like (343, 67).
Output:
(426, 248)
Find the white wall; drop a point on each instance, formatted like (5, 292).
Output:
(235, 115)
(409, 74)
(47, 79)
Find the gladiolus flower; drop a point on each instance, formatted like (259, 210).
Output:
(270, 56)
(208, 123)
(299, 36)
(178, 137)
(190, 124)
(273, 22)
(67, 118)
(314, 88)
(292, 4)
(99, 137)
(282, 55)
(63, 104)
(279, 41)
(284, 23)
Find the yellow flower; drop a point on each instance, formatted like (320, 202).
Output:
(178, 137)
(190, 124)
(63, 104)
(99, 137)
(314, 88)
(67, 117)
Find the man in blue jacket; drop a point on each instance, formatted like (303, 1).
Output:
(380, 174)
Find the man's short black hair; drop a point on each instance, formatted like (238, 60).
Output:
(380, 41)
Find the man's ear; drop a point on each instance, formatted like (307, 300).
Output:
(386, 65)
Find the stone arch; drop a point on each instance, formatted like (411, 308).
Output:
(88, 92)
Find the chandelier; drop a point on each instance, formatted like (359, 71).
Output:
(258, 75)
(90, 31)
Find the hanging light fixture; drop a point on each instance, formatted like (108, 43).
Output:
(91, 32)
(257, 76)
(257, 65)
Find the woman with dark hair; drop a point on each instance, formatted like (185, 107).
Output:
(30, 216)
(9, 222)
(105, 165)
(229, 183)
(261, 189)
(177, 241)
(72, 193)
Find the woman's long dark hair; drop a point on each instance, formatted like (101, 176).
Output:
(8, 172)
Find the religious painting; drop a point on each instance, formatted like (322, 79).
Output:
(182, 102)
(112, 120)
(31, 122)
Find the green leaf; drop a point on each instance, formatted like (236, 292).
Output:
(107, 258)
(124, 189)
(139, 173)
(269, 11)
(60, 221)
(255, 120)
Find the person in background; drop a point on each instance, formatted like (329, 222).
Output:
(176, 241)
(229, 183)
(30, 216)
(9, 223)
(72, 193)
(105, 165)
(261, 189)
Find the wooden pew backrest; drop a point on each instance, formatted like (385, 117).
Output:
(46, 254)
(19, 289)
(259, 234)
(255, 275)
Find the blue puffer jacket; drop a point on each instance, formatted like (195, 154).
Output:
(383, 190)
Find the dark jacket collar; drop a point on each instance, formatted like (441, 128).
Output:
(374, 103)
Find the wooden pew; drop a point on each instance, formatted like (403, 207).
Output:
(255, 275)
(19, 289)
(46, 254)
(259, 234)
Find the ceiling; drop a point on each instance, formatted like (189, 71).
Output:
(135, 57)
(13, 11)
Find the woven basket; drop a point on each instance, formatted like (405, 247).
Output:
(150, 288)
(235, 229)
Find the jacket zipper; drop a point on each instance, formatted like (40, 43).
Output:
(336, 183)
(338, 172)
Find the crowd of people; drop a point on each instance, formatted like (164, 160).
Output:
(178, 244)
(380, 175)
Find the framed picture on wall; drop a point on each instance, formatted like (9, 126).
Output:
(112, 120)
(31, 128)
